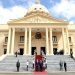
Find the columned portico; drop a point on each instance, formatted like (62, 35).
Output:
(37, 32)
(9, 42)
(29, 52)
(25, 42)
(47, 42)
(51, 42)
(13, 41)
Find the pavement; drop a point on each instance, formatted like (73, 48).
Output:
(38, 73)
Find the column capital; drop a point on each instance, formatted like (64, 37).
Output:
(13, 29)
(25, 28)
(30, 28)
(50, 29)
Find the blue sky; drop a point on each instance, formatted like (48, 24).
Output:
(11, 9)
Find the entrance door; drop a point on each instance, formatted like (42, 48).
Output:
(33, 50)
(21, 51)
(55, 51)
(44, 50)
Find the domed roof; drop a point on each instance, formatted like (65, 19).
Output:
(38, 7)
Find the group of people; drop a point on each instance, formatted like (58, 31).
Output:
(40, 65)
(63, 64)
(18, 65)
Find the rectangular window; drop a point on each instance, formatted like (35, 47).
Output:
(21, 39)
(54, 39)
(70, 40)
(6, 39)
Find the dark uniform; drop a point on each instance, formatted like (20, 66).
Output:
(18, 65)
(41, 65)
(36, 65)
(61, 65)
(65, 66)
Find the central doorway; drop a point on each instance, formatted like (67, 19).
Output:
(21, 51)
(43, 49)
(33, 50)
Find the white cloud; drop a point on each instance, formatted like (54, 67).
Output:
(71, 22)
(65, 8)
(11, 13)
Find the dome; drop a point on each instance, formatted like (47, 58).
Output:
(38, 7)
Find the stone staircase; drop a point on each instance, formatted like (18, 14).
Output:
(8, 64)
(53, 62)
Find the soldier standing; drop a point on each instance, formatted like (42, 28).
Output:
(65, 66)
(61, 65)
(18, 65)
(27, 63)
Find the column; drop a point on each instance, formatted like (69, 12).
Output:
(29, 41)
(73, 47)
(13, 41)
(51, 42)
(64, 43)
(9, 41)
(68, 45)
(25, 42)
(47, 42)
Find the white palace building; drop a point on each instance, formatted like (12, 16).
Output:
(37, 31)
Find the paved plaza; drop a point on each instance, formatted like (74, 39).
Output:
(52, 73)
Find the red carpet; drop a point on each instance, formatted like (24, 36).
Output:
(40, 73)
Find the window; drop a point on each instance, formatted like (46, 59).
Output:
(54, 39)
(70, 39)
(6, 39)
(21, 39)
(5, 51)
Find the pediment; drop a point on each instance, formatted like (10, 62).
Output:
(37, 19)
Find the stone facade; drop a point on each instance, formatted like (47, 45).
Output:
(37, 30)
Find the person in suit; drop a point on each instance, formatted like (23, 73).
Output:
(41, 65)
(61, 65)
(65, 66)
(27, 64)
(36, 65)
(18, 65)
